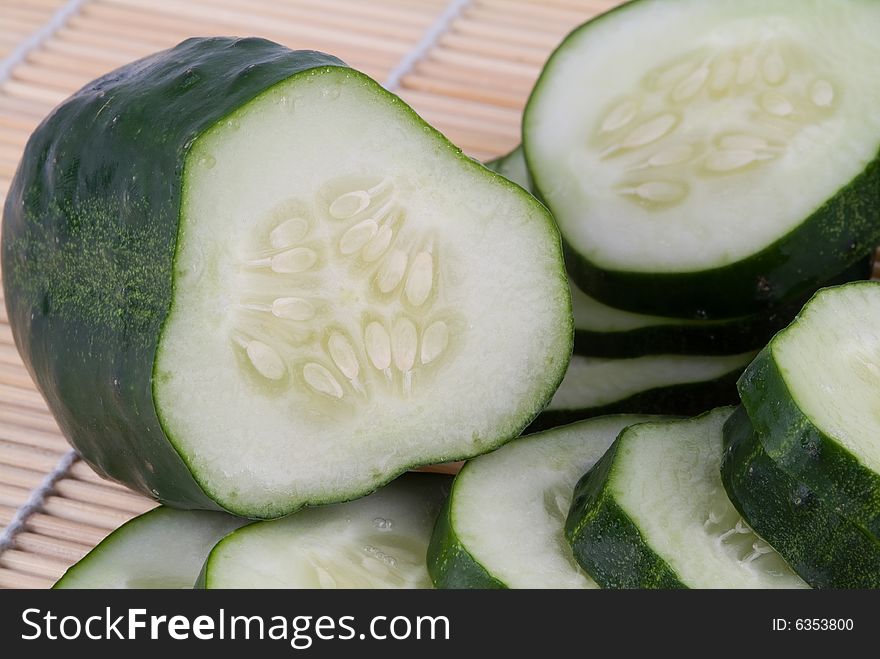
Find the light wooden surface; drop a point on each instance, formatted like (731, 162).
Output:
(470, 80)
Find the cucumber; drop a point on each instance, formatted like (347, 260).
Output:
(249, 278)
(513, 167)
(726, 164)
(653, 513)
(501, 532)
(823, 547)
(378, 541)
(163, 548)
(811, 395)
(656, 384)
(604, 331)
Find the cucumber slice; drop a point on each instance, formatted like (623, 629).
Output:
(513, 167)
(375, 542)
(812, 397)
(652, 513)
(501, 532)
(822, 546)
(250, 278)
(727, 163)
(163, 548)
(604, 331)
(657, 384)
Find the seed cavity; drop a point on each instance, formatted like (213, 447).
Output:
(420, 279)
(321, 380)
(350, 204)
(822, 94)
(434, 341)
(293, 308)
(404, 344)
(343, 355)
(307, 326)
(378, 345)
(776, 104)
(672, 155)
(288, 232)
(660, 192)
(723, 76)
(650, 131)
(266, 360)
(690, 86)
(773, 69)
(750, 142)
(728, 161)
(392, 271)
(298, 259)
(358, 236)
(377, 246)
(620, 116)
(748, 69)
(669, 76)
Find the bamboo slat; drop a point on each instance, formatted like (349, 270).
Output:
(471, 82)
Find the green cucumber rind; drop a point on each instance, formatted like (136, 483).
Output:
(89, 233)
(835, 236)
(824, 548)
(450, 565)
(605, 541)
(711, 337)
(802, 450)
(687, 399)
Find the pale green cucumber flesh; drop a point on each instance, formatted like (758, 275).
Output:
(506, 512)
(378, 541)
(163, 548)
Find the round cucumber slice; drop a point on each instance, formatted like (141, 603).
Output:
(251, 279)
(653, 513)
(812, 397)
(654, 384)
(821, 545)
(378, 541)
(726, 164)
(163, 548)
(604, 331)
(499, 531)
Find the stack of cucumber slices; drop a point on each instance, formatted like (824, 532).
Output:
(257, 287)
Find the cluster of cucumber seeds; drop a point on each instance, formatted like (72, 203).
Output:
(315, 276)
(753, 101)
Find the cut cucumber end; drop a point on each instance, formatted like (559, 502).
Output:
(378, 541)
(330, 320)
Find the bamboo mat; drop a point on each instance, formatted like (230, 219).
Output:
(465, 66)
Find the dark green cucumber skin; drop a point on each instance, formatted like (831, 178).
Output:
(606, 542)
(823, 547)
(89, 234)
(802, 450)
(835, 236)
(722, 337)
(449, 563)
(688, 399)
